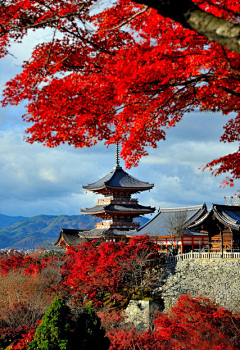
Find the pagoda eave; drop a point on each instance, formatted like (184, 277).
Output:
(135, 189)
(130, 212)
(94, 189)
(125, 189)
(86, 212)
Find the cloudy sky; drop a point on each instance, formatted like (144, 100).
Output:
(37, 180)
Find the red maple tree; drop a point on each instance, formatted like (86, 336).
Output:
(111, 273)
(192, 323)
(126, 73)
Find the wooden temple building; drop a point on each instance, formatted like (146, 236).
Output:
(158, 229)
(216, 230)
(222, 223)
(116, 208)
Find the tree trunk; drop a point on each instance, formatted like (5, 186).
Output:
(186, 13)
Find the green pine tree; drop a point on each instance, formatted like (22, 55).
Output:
(89, 334)
(54, 331)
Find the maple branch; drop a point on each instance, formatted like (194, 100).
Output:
(46, 21)
(95, 46)
(145, 8)
(50, 49)
(231, 91)
(229, 63)
(3, 29)
(190, 16)
(201, 78)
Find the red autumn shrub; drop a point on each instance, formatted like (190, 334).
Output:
(14, 336)
(124, 339)
(111, 270)
(192, 324)
(22, 344)
(198, 324)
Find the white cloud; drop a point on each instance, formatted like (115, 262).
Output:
(38, 180)
(35, 179)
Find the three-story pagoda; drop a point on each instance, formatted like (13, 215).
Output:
(117, 209)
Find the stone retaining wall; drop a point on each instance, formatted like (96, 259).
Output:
(140, 313)
(216, 279)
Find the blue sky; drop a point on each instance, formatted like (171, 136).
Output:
(37, 180)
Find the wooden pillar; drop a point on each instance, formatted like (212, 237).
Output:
(192, 244)
(181, 245)
(221, 233)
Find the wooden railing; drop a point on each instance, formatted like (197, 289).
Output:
(117, 200)
(117, 224)
(200, 255)
(231, 200)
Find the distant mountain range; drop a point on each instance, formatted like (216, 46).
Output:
(18, 232)
(10, 220)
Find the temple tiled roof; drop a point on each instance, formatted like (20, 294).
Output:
(75, 237)
(131, 208)
(157, 225)
(69, 236)
(229, 215)
(119, 178)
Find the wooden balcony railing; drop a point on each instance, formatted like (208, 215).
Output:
(118, 224)
(106, 201)
(203, 255)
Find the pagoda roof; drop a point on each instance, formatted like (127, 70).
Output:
(126, 208)
(157, 225)
(228, 215)
(118, 178)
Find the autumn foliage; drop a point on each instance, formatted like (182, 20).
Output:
(119, 74)
(28, 284)
(191, 324)
(108, 274)
(112, 273)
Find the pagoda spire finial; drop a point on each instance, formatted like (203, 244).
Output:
(117, 166)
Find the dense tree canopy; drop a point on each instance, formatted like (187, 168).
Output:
(124, 73)
(113, 273)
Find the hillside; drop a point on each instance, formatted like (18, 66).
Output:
(6, 220)
(41, 230)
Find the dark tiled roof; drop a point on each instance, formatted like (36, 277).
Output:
(157, 225)
(119, 178)
(104, 232)
(194, 233)
(70, 237)
(137, 208)
(227, 214)
(75, 237)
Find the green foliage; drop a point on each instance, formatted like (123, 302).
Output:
(58, 331)
(54, 332)
(89, 334)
